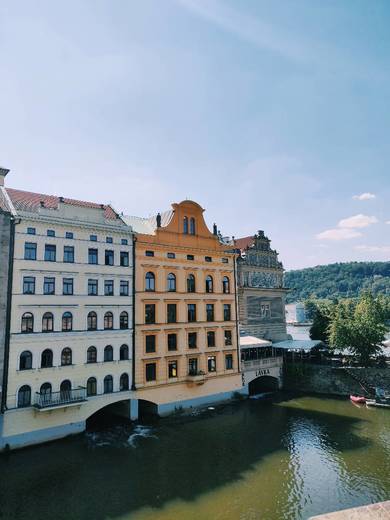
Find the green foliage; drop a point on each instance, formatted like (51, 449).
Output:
(322, 315)
(343, 280)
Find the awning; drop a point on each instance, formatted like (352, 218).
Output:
(252, 341)
(298, 344)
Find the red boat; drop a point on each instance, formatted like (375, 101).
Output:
(357, 399)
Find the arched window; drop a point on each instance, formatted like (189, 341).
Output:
(92, 321)
(91, 386)
(47, 322)
(225, 285)
(47, 358)
(191, 283)
(27, 323)
(91, 355)
(65, 390)
(25, 360)
(24, 396)
(108, 385)
(67, 321)
(45, 394)
(209, 284)
(108, 320)
(124, 320)
(66, 356)
(150, 282)
(185, 225)
(171, 281)
(108, 353)
(192, 226)
(124, 352)
(124, 382)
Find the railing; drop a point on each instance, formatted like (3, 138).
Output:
(62, 398)
(196, 376)
(264, 362)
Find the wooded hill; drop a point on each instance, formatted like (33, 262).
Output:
(343, 280)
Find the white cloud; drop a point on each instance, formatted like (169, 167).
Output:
(338, 234)
(364, 196)
(357, 221)
(373, 249)
(388, 222)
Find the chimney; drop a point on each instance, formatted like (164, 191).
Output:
(3, 174)
(61, 199)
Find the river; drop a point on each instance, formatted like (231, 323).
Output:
(248, 460)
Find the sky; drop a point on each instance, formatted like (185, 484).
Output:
(272, 115)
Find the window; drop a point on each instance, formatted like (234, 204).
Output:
(150, 371)
(192, 226)
(93, 238)
(27, 323)
(69, 254)
(66, 356)
(209, 312)
(225, 285)
(109, 240)
(192, 337)
(190, 257)
(229, 361)
(25, 360)
(65, 390)
(67, 286)
(185, 225)
(108, 385)
(171, 255)
(209, 284)
(30, 251)
(171, 282)
(191, 283)
(211, 338)
(123, 382)
(172, 341)
(51, 233)
(91, 386)
(24, 396)
(208, 259)
(124, 353)
(29, 285)
(108, 287)
(124, 320)
(212, 364)
(49, 285)
(124, 241)
(50, 253)
(225, 260)
(45, 393)
(227, 312)
(265, 311)
(228, 337)
(193, 366)
(108, 353)
(150, 313)
(92, 256)
(47, 358)
(69, 235)
(31, 231)
(47, 322)
(91, 355)
(150, 282)
(149, 253)
(67, 322)
(191, 312)
(108, 321)
(124, 258)
(124, 288)
(150, 344)
(92, 287)
(92, 321)
(108, 257)
(171, 313)
(172, 369)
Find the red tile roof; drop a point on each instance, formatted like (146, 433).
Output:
(28, 201)
(243, 243)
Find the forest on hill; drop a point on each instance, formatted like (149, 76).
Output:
(342, 280)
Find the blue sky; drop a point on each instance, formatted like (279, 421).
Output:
(271, 115)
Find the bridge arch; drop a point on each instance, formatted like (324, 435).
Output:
(262, 384)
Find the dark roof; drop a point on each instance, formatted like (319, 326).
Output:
(243, 243)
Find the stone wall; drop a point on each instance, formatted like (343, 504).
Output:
(323, 379)
(5, 224)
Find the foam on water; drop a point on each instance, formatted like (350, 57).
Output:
(140, 432)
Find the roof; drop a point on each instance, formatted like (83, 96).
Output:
(298, 344)
(29, 201)
(4, 202)
(243, 243)
(147, 226)
(248, 341)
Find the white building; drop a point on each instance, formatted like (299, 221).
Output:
(70, 341)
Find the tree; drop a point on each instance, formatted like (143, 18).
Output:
(321, 320)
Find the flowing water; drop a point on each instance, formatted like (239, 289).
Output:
(249, 460)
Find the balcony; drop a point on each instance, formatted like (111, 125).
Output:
(50, 400)
(198, 377)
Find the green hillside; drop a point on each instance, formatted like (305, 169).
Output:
(345, 280)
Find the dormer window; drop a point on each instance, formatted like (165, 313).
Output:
(192, 226)
(185, 225)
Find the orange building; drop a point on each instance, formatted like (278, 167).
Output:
(185, 311)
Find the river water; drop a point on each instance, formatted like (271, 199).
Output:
(243, 461)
